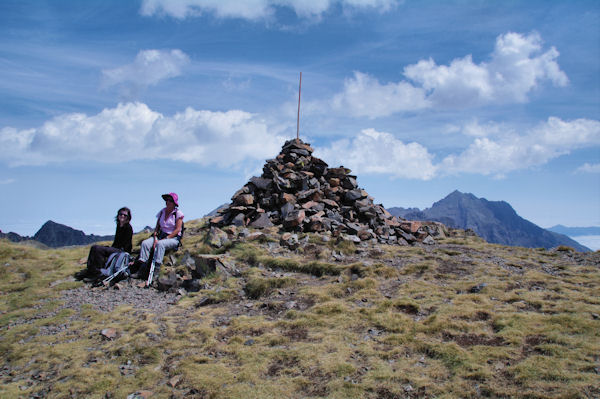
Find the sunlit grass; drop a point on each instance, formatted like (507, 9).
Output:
(406, 322)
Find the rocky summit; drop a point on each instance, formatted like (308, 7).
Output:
(301, 193)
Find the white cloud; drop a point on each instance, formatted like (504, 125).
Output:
(365, 96)
(510, 151)
(374, 152)
(7, 181)
(516, 67)
(589, 168)
(132, 131)
(497, 150)
(148, 68)
(254, 9)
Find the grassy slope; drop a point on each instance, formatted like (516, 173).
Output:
(391, 323)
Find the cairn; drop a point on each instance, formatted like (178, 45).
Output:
(302, 193)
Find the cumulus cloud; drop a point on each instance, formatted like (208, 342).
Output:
(253, 9)
(589, 168)
(148, 68)
(374, 152)
(510, 151)
(517, 66)
(363, 95)
(132, 131)
(496, 150)
(235, 138)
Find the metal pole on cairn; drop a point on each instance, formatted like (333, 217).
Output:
(298, 120)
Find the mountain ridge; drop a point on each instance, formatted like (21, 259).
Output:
(575, 231)
(495, 221)
(56, 235)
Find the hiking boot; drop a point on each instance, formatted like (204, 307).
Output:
(80, 275)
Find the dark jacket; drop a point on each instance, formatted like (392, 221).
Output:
(123, 237)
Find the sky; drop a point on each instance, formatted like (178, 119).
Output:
(105, 104)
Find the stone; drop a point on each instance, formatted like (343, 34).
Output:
(352, 238)
(262, 221)
(174, 381)
(349, 182)
(365, 235)
(406, 236)
(338, 172)
(330, 203)
(353, 195)
(354, 228)
(257, 235)
(261, 183)
(217, 219)
(410, 226)
(288, 198)
(477, 288)
(294, 219)
(244, 199)
(241, 191)
(140, 395)
(216, 237)
(428, 240)
(239, 220)
(306, 194)
(286, 209)
(192, 285)
(109, 333)
(289, 240)
(167, 283)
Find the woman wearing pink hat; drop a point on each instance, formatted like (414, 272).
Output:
(167, 233)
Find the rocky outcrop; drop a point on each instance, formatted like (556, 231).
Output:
(301, 193)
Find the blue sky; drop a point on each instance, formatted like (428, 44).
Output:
(111, 103)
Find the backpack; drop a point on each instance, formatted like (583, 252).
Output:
(117, 262)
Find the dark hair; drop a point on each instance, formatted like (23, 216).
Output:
(128, 213)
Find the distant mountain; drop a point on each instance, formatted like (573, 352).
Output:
(575, 231)
(58, 235)
(14, 237)
(495, 221)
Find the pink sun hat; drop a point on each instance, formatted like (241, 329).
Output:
(172, 196)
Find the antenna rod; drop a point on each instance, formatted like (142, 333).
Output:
(298, 120)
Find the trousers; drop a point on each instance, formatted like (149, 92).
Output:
(159, 252)
(98, 256)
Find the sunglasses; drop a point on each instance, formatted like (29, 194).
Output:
(123, 214)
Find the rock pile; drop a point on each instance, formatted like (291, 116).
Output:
(303, 194)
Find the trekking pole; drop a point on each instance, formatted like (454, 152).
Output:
(109, 278)
(150, 275)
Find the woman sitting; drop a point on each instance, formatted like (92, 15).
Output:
(167, 235)
(122, 242)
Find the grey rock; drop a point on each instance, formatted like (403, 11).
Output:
(262, 221)
(428, 240)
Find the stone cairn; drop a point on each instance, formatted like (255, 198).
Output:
(302, 193)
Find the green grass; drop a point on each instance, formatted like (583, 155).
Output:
(294, 325)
